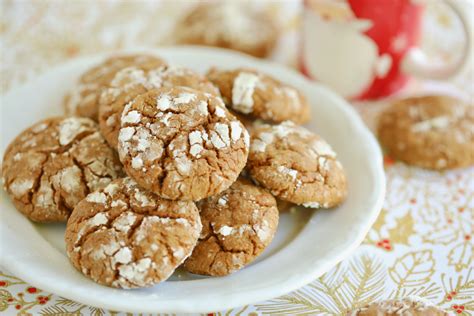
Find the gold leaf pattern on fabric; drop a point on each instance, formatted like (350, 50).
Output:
(413, 269)
(402, 230)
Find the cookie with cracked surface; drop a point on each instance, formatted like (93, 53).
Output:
(238, 225)
(131, 82)
(84, 99)
(51, 166)
(181, 143)
(123, 236)
(229, 24)
(410, 306)
(251, 92)
(296, 166)
(433, 132)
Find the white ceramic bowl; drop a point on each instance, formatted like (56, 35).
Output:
(308, 242)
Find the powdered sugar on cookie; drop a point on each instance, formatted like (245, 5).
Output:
(166, 134)
(138, 247)
(242, 92)
(296, 165)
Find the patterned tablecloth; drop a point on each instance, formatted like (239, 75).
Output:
(422, 243)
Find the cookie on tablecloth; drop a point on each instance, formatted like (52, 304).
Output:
(409, 306)
(131, 82)
(238, 225)
(123, 236)
(181, 143)
(83, 100)
(54, 164)
(250, 92)
(434, 132)
(296, 165)
(230, 25)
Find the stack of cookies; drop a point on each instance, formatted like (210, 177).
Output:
(154, 168)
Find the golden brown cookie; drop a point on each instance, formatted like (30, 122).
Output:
(83, 100)
(251, 92)
(54, 164)
(296, 166)
(131, 82)
(123, 236)
(409, 306)
(229, 24)
(181, 143)
(434, 132)
(238, 225)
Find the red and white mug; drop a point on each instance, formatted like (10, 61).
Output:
(367, 49)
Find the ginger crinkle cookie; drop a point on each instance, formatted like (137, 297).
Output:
(54, 164)
(409, 306)
(132, 81)
(296, 166)
(434, 132)
(229, 24)
(84, 99)
(250, 92)
(238, 225)
(181, 143)
(123, 236)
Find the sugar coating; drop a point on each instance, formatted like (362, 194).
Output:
(225, 230)
(69, 128)
(124, 222)
(264, 231)
(220, 112)
(296, 165)
(236, 130)
(433, 131)
(85, 99)
(311, 205)
(135, 272)
(96, 220)
(439, 122)
(220, 137)
(21, 187)
(196, 141)
(143, 199)
(222, 201)
(288, 171)
(251, 92)
(259, 144)
(123, 256)
(117, 203)
(323, 149)
(126, 134)
(137, 162)
(54, 164)
(97, 197)
(132, 117)
(242, 92)
(130, 248)
(39, 128)
(237, 226)
(185, 98)
(111, 189)
(69, 178)
(180, 128)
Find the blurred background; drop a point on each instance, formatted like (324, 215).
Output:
(36, 35)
